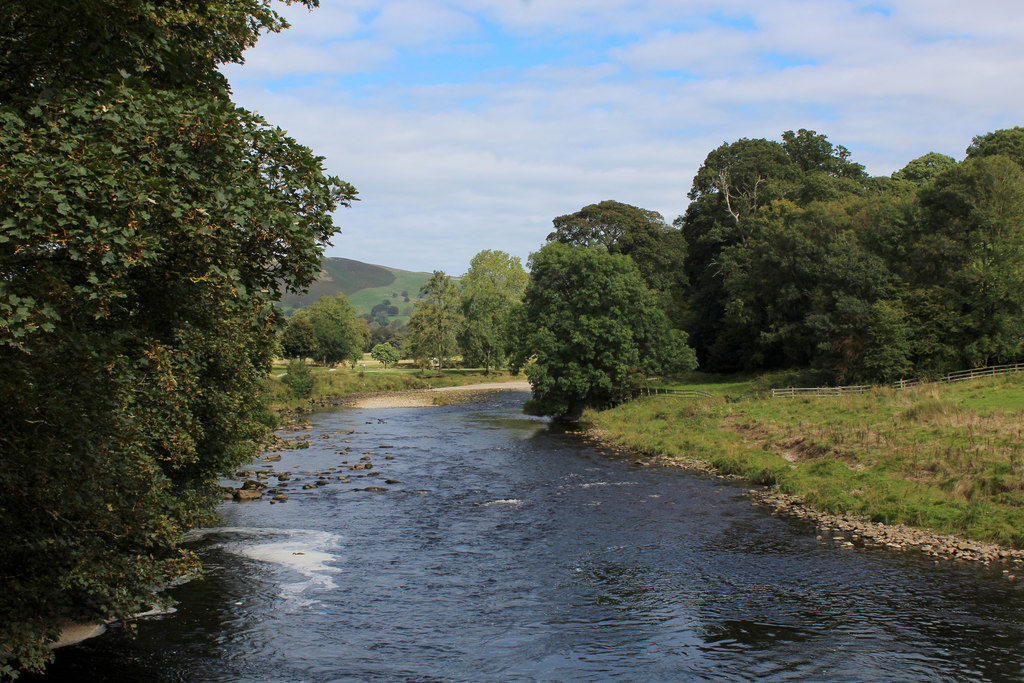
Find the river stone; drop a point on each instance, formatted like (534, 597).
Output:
(281, 497)
(248, 494)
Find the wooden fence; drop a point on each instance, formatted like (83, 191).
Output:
(685, 393)
(961, 376)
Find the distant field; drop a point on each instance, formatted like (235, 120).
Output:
(366, 285)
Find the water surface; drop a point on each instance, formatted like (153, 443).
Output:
(510, 551)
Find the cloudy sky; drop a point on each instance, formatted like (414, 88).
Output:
(470, 124)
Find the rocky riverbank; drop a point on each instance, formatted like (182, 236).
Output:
(264, 480)
(845, 530)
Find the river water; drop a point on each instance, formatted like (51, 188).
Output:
(510, 551)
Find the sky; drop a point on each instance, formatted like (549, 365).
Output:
(470, 124)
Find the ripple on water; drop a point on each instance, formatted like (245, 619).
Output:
(517, 552)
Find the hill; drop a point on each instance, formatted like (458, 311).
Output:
(366, 285)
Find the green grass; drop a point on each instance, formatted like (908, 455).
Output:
(949, 457)
(364, 300)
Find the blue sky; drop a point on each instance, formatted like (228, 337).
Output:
(470, 124)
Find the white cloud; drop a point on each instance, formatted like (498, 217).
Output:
(484, 158)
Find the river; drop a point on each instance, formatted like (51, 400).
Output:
(506, 550)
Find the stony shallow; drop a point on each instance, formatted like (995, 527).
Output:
(845, 530)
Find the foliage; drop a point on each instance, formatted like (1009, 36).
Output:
(657, 249)
(298, 338)
(491, 288)
(298, 379)
(1008, 142)
(340, 334)
(434, 327)
(589, 330)
(924, 169)
(385, 354)
(969, 260)
(796, 258)
(146, 225)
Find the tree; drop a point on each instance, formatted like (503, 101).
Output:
(436, 322)
(589, 330)
(385, 354)
(656, 248)
(811, 151)
(968, 263)
(744, 176)
(340, 334)
(1008, 142)
(492, 286)
(731, 193)
(925, 169)
(298, 339)
(147, 224)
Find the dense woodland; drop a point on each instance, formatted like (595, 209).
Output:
(148, 225)
(796, 257)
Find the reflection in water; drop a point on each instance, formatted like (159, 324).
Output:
(501, 549)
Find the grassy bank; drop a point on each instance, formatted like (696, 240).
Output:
(334, 384)
(947, 457)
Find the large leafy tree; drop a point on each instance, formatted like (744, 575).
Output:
(732, 191)
(492, 286)
(589, 330)
(298, 338)
(1008, 142)
(968, 264)
(657, 249)
(434, 326)
(340, 334)
(924, 169)
(147, 224)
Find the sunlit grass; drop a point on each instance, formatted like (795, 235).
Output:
(948, 457)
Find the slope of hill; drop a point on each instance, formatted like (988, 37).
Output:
(365, 285)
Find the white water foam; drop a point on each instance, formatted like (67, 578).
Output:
(301, 551)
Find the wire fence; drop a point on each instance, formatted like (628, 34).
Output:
(959, 376)
(794, 392)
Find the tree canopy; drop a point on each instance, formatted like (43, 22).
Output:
(434, 326)
(796, 258)
(656, 248)
(147, 224)
(589, 330)
(340, 333)
(491, 288)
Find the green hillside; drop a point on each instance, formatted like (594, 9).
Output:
(365, 285)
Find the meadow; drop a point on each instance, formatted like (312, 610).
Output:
(947, 457)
